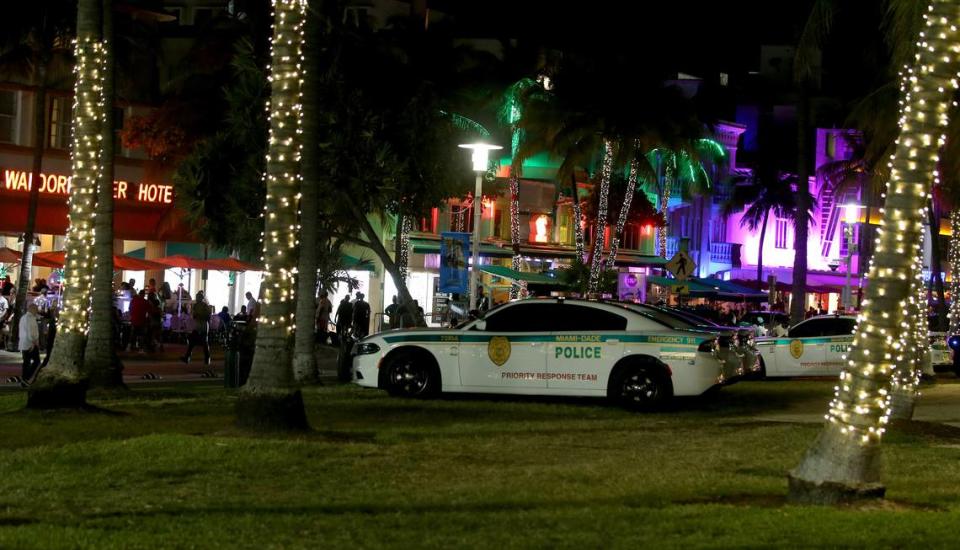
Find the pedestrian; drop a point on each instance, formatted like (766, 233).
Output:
(811, 312)
(29, 345)
(361, 317)
(201, 329)
(154, 321)
(779, 329)
(483, 302)
(344, 317)
(7, 289)
(242, 316)
(139, 317)
(165, 295)
(151, 286)
(133, 285)
(324, 309)
(391, 314)
(253, 307)
(51, 336)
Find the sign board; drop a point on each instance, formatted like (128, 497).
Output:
(59, 184)
(682, 289)
(681, 265)
(454, 251)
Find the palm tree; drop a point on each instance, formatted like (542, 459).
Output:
(844, 461)
(61, 383)
(632, 176)
(101, 363)
(304, 358)
(682, 166)
(271, 398)
(767, 193)
(34, 46)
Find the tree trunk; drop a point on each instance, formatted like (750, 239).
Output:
(664, 201)
(916, 353)
(601, 222)
(304, 348)
(801, 219)
(763, 236)
(622, 217)
(953, 255)
(577, 217)
(271, 400)
(101, 363)
(844, 462)
(60, 384)
(516, 286)
(936, 261)
(26, 257)
(376, 245)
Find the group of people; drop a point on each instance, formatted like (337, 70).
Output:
(352, 317)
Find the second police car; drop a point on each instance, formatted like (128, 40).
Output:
(816, 346)
(547, 347)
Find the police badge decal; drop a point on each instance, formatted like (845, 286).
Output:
(499, 350)
(796, 348)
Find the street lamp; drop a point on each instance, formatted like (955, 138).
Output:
(481, 153)
(851, 215)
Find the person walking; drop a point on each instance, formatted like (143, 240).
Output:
(361, 317)
(139, 317)
(29, 344)
(324, 309)
(201, 329)
(344, 317)
(393, 320)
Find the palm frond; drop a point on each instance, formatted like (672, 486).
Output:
(464, 123)
(815, 31)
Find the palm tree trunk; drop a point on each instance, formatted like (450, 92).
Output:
(664, 201)
(953, 255)
(844, 462)
(270, 399)
(304, 347)
(26, 257)
(936, 261)
(577, 217)
(101, 363)
(601, 222)
(801, 217)
(622, 217)
(515, 230)
(906, 375)
(61, 383)
(763, 236)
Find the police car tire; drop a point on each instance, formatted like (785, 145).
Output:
(410, 374)
(762, 373)
(640, 387)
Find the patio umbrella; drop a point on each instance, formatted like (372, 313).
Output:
(232, 264)
(9, 256)
(53, 260)
(120, 262)
(185, 262)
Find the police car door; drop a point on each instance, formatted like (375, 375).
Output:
(584, 350)
(508, 353)
(803, 354)
(838, 333)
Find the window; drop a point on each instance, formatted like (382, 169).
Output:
(529, 317)
(781, 235)
(832, 326)
(572, 317)
(718, 230)
(8, 116)
(60, 123)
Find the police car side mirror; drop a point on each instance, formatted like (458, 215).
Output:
(480, 325)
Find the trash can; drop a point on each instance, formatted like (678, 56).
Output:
(241, 342)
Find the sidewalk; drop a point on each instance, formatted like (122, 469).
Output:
(167, 365)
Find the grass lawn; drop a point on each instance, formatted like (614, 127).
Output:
(171, 471)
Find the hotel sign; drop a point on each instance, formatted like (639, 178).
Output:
(59, 185)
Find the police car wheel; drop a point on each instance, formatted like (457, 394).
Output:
(640, 388)
(409, 376)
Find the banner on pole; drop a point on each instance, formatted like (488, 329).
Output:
(454, 251)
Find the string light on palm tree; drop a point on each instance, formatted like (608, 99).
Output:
(624, 211)
(606, 171)
(953, 257)
(861, 405)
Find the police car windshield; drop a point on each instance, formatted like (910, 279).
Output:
(670, 319)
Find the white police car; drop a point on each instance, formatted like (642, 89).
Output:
(545, 347)
(815, 347)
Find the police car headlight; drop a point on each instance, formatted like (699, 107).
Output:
(365, 348)
(954, 342)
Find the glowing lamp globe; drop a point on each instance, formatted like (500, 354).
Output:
(481, 154)
(851, 213)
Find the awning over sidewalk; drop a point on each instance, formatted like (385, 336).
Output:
(532, 278)
(712, 288)
(504, 250)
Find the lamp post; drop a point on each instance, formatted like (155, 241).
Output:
(481, 153)
(851, 215)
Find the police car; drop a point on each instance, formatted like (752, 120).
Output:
(816, 347)
(546, 347)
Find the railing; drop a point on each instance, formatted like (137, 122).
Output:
(721, 253)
